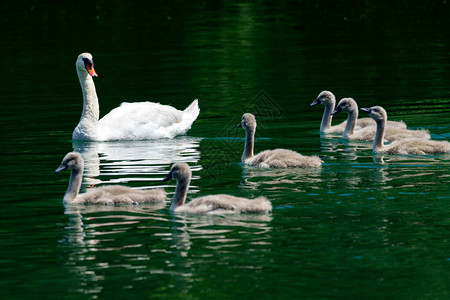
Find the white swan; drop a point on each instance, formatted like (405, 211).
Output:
(327, 98)
(392, 133)
(277, 158)
(212, 204)
(106, 195)
(406, 146)
(129, 121)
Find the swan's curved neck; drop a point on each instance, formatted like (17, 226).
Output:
(180, 192)
(249, 142)
(352, 120)
(326, 118)
(90, 116)
(74, 185)
(379, 136)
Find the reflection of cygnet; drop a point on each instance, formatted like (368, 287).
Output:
(277, 158)
(212, 204)
(107, 195)
(406, 146)
(391, 133)
(327, 98)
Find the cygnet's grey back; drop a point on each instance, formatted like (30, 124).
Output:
(284, 158)
(119, 194)
(221, 203)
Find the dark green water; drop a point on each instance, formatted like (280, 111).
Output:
(361, 227)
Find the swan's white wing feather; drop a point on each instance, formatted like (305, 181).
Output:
(143, 120)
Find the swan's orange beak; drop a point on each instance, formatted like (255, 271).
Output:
(91, 71)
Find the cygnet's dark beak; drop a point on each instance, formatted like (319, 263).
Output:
(367, 110)
(317, 101)
(168, 177)
(337, 110)
(239, 125)
(62, 167)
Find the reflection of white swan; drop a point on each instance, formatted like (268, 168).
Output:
(211, 204)
(109, 195)
(130, 121)
(135, 160)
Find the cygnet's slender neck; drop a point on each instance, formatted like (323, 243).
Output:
(74, 185)
(326, 118)
(180, 192)
(91, 110)
(352, 120)
(249, 142)
(379, 136)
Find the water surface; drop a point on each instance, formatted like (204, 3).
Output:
(362, 226)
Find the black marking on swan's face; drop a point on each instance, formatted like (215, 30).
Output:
(89, 66)
(88, 63)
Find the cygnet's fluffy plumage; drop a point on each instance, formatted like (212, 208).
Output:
(277, 158)
(327, 98)
(212, 204)
(392, 133)
(406, 146)
(129, 121)
(105, 195)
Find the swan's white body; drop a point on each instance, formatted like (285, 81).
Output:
(392, 133)
(129, 121)
(406, 146)
(327, 98)
(277, 158)
(211, 204)
(105, 195)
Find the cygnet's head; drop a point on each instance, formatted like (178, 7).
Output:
(248, 121)
(179, 171)
(85, 63)
(376, 112)
(346, 105)
(325, 97)
(72, 161)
